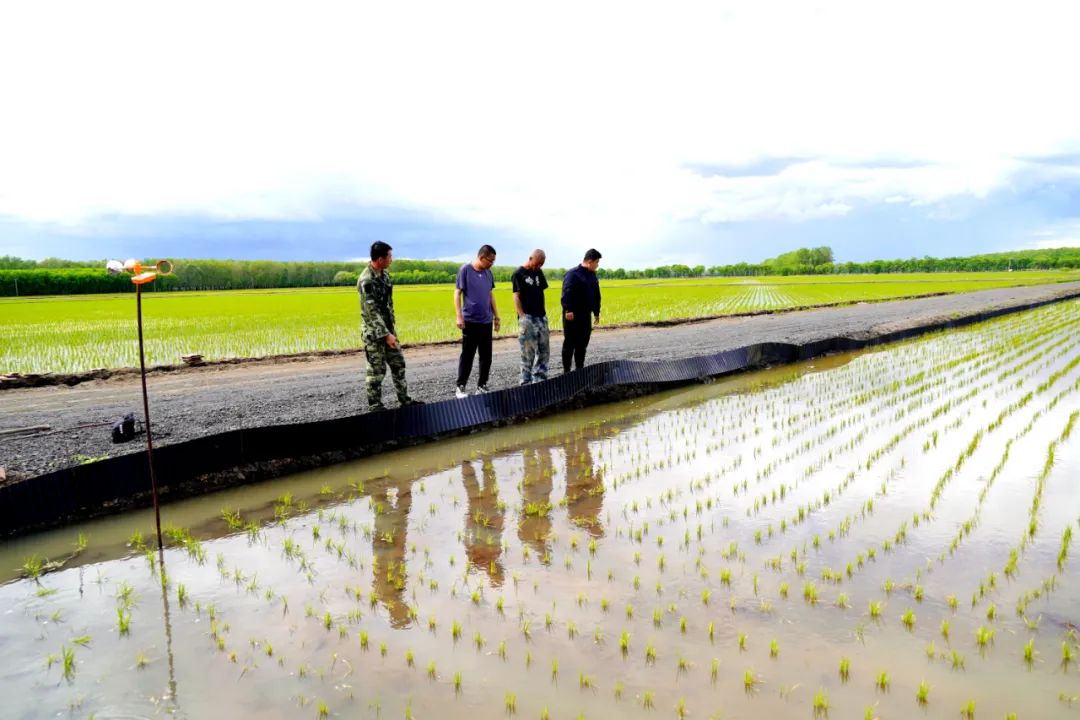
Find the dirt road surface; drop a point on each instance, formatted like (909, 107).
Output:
(48, 428)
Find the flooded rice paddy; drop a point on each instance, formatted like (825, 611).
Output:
(884, 535)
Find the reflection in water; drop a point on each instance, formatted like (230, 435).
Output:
(483, 520)
(171, 694)
(391, 501)
(534, 525)
(584, 485)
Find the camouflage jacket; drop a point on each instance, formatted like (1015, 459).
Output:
(376, 303)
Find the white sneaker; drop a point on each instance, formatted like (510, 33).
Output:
(460, 393)
(481, 389)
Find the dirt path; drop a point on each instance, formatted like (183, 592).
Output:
(47, 428)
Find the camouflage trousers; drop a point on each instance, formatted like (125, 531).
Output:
(535, 347)
(379, 357)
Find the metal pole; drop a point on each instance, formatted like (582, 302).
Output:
(146, 416)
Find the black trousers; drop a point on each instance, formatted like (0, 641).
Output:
(576, 334)
(474, 337)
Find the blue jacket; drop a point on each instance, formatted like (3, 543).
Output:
(581, 293)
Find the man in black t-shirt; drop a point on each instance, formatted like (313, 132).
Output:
(529, 284)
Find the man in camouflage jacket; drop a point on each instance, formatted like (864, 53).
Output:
(380, 339)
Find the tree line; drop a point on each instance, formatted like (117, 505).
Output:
(54, 276)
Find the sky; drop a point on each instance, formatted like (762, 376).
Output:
(706, 133)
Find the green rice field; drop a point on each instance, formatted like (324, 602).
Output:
(83, 332)
(883, 534)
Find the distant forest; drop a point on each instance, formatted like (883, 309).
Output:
(64, 277)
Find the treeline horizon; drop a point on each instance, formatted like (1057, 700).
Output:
(55, 276)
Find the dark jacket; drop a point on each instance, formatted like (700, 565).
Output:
(581, 293)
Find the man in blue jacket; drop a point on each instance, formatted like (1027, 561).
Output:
(580, 304)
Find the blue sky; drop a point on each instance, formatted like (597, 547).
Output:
(698, 133)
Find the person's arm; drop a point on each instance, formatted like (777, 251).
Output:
(596, 304)
(515, 284)
(568, 295)
(391, 339)
(457, 309)
(495, 312)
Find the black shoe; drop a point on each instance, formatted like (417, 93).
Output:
(376, 408)
(410, 401)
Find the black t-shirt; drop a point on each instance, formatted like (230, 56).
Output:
(530, 286)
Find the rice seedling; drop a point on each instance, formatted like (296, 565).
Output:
(647, 699)
(908, 618)
(821, 703)
(457, 682)
(774, 648)
(957, 660)
(1029, 651)
(882, 683)
(984, 636)
(875, 609)
(967, 711)
(749, 680)
(922, 694)
(742, 641)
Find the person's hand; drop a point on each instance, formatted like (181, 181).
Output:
(460, 322)
(596, 320)
(569, 316)
(498, 323)
(391, 342)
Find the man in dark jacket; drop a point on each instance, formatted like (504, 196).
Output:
(580, 304)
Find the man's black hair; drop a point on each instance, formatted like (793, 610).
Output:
(592, 254)
(485, 251)
(379, 250)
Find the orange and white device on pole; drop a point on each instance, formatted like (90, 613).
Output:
(141, 276)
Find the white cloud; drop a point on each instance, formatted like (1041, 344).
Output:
(566, 121)
(1061, 234)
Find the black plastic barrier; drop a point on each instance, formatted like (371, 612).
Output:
(240, 456)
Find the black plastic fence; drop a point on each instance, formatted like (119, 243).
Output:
(240, 456)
